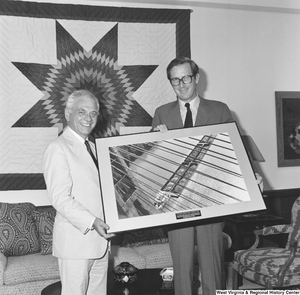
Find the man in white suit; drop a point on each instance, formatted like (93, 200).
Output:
(79, 235)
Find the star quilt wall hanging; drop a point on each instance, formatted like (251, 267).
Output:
(50, 50)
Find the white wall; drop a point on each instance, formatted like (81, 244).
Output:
(247, 56)
(246, 53)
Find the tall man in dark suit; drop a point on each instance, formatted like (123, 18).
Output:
(191, 110)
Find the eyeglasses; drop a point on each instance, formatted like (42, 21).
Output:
(185, 80)
(83, 114)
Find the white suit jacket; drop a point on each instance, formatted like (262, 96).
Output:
(73, 186)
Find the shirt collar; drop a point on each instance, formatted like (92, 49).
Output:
(76, 135)
(194, 104)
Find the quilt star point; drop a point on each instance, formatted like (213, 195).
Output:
(97, 71)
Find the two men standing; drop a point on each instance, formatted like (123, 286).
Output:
(80, 238)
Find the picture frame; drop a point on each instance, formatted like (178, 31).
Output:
(288, 128)
(157, 178)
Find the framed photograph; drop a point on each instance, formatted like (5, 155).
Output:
(154, 178)
(288, 128)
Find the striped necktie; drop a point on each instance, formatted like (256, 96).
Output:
(91, 153)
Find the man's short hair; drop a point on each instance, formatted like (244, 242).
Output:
(182, 60)
(78, 94)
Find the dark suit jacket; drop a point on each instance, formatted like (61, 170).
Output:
(209, 112)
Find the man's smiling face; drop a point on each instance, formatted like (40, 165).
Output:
(82, 118)
(185, 92)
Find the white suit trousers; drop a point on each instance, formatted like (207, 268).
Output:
(83, 276)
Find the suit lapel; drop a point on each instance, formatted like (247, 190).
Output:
(70, 138)
(78, 148)
(174, 114)
(203, 113)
